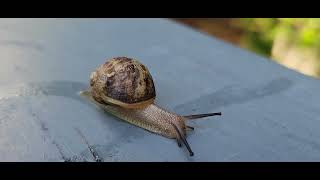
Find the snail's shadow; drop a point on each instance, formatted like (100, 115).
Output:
(233, 94)
(23, 44)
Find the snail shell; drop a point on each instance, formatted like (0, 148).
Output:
(124, 82)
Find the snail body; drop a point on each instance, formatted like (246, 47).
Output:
(124, 87)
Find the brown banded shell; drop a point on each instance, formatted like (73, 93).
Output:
(123, 81)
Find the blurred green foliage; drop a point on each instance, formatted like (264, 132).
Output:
(261, 32)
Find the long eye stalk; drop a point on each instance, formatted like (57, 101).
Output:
(198, 116)
(183, 139)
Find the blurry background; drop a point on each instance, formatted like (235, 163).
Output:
(292, 42)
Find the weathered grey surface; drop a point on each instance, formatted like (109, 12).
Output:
(270, 113)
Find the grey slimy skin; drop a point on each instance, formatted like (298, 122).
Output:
(124, 87)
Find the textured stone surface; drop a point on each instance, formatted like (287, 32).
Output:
(270, 113)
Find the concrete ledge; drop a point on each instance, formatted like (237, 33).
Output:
(270, 113)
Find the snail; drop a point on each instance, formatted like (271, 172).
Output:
(124, 87)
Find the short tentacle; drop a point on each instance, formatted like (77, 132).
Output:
(179, 142)
(189, 128)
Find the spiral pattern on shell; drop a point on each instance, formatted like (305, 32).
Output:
(122, 81)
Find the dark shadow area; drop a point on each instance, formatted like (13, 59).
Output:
(230, 95)
(22, 44)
